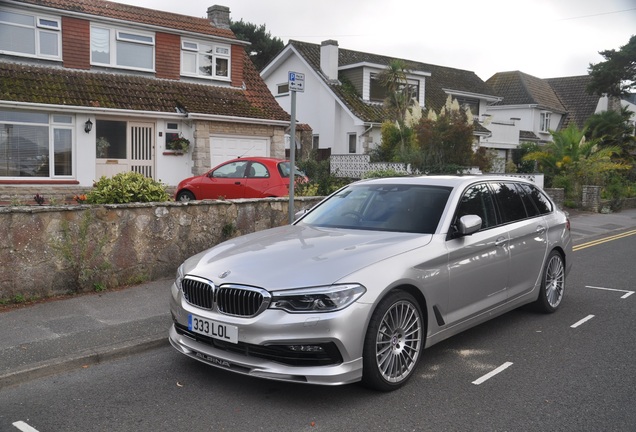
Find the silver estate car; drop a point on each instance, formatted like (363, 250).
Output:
(359, 285)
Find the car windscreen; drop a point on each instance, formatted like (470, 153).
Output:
(383, 207)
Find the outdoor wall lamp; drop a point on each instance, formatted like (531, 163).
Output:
(88, 126)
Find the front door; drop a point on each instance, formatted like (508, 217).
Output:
(142, 148)
(478, 264)
(124, 146)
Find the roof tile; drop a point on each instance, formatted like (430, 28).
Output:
(572, 91)
(441, 78)
(518, 88)
(136, 14)
(58, 86)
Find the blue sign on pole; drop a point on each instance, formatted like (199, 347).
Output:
(296, 81)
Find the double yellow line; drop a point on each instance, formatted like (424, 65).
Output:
(603, 240)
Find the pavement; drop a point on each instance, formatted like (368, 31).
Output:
(60, 335)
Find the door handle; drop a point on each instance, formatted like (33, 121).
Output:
(540, 229)
(237, 183)
(500, 241)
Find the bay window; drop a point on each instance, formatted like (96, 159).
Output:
(35, 144)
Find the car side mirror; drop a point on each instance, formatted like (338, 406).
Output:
(468, 224)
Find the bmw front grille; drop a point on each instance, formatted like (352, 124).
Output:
(235, 300)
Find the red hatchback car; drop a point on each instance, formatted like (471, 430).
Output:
(249, 177)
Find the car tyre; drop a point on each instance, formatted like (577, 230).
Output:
(393, 343)
(185, 196)
(552, 284)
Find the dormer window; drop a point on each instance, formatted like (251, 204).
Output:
(205, 60)
(469, 103)
(30, 35)
(378, 92)
(122, 48)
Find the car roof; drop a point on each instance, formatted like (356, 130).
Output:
(257, 158)
(444, 180)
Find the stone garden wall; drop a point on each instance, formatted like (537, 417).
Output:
(52, 250)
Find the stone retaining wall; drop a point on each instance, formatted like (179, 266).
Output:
(47, 250)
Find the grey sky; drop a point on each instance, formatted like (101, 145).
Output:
(545, 38)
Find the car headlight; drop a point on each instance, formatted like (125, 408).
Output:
(319, 299)
(180, 276)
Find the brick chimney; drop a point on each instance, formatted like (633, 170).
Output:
(329, 59)
(219, 16)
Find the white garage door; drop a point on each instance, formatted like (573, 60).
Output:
(223, 148)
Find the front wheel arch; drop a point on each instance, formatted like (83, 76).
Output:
(185, 195)
(394, 341)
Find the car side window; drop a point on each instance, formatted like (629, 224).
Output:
(231, 170)
(510, 202)
(543, 203)
(531, 208)
(258, 170)
(477, 200)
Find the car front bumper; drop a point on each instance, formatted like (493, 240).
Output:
(343, 330)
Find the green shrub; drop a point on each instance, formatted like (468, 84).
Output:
(321, 181)
(125, 188)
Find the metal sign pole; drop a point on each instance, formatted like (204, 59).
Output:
(292, 157)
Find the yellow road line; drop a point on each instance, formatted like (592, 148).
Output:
(604, 240)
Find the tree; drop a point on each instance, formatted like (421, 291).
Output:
(521, 165)
(613, 128)
(393, 78)
(263, 46)
(571, 161)
(445, 140)
(615, 76)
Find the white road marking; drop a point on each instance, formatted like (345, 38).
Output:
(578, 323)
(627, 293)
(493, 373)
(24, 427)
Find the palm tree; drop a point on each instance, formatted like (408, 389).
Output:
(394, 79)
(613, 128)
(573, 160)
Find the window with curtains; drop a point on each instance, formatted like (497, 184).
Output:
(28, 34)
(122, 48)
(205, 60)
(35, 144)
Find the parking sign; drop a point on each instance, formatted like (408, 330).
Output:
(296, 81)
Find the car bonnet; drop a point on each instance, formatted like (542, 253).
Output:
(298, 256)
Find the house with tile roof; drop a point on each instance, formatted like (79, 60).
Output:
(91, 88)
(342, 99)
(531, 107)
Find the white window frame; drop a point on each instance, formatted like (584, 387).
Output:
(189, 46)
(56, 121)
(544, 121)
(120, 35)
(39, 28)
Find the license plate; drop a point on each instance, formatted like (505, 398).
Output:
(213, 329)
